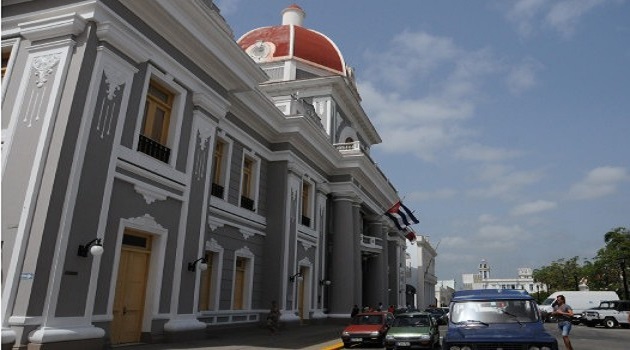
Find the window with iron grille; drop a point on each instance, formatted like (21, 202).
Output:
(154, 134)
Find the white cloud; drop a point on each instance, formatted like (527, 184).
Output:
(503, 182)
(411, 56)
(421, 89)
(522, 77)
(523, 14)
(422, 127)
(561, 16)
(444, 193)
(533, 207)
(483, 153)
(565, 15)
(599, 182)
(486, 218)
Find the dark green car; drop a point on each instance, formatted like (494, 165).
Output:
(417, 330)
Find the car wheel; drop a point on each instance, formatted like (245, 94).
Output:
(610, 322)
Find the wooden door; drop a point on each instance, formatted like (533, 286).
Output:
(205, 284)
(130, 293)
(239, 283)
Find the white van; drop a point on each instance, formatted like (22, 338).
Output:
(578, 300)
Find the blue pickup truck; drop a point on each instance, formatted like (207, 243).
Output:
(496, 319)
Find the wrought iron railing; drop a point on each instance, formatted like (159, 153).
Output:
(217, 190)
(154, 149)
(247, 203)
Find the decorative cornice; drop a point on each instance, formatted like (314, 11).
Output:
(146, 221)
(212, 102)
(52, 27)
(149, 194)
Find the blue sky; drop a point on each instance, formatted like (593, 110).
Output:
(505, 124)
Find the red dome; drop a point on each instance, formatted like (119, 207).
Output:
(269, 44)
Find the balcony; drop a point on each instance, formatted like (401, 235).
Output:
(350, 147)
(371, 242)
(154, 149)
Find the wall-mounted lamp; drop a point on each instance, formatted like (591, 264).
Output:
(203, 265)
(95, 247)
(298, 275)
(325, 282)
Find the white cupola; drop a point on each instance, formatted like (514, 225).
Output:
(293, 15)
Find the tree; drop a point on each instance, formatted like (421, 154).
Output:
(616, 258)
(607, 271)
(560, 275)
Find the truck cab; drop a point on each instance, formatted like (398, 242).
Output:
(495, 318)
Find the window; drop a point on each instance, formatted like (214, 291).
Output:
(239, 283)
(220, 168)
(306, 204)
(156, 122)
(6, 54)
(249, 182)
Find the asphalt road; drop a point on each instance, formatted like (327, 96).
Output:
(594, 338)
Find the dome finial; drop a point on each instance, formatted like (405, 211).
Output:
(293, 15)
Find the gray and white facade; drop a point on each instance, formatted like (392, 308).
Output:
(144, 127)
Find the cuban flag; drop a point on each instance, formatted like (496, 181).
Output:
(401, 216)
(410, 234)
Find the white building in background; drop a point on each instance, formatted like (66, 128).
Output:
(421, 279)
(444, 292)
(482, 280)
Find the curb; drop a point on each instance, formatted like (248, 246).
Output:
(334, 347)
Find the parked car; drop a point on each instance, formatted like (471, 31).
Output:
(610, 314)
(414, 329)
(439, 314)
(579, 301)
(496, 319)
(367, 328)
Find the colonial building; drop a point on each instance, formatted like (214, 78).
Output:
(160, 178)
(482, 280)
(444, 291)
(422, 280)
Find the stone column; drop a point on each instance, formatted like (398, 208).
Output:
(358, 268)
(342, 288)
(377, 268)
(383, 262)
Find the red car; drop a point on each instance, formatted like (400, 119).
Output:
(367, 328)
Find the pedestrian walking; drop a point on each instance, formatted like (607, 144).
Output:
(379, 307)
(355, 311)
(563, 313)
(273, 319)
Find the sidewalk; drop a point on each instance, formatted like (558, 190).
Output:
(294, 336)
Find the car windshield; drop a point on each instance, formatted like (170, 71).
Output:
(496, 311)
(412, 321)
(548, 301)
(367, 319)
